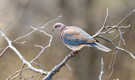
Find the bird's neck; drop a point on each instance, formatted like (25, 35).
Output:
(62, 29)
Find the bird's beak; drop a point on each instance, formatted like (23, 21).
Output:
(53, 29)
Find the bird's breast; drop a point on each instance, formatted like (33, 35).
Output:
(75, 48)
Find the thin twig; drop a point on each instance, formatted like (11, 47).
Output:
(43, 48)
(35, 29)
(107, 14)
(20, 74)
(131, 54)
(28, 34)
(52, 21)
(112, 65)
(125, 17)
(16, 73)
(121, 36)
(28, 78)
(4, 50)
(102, 71)
(69, 69)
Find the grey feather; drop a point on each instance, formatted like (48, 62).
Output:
(102, 48)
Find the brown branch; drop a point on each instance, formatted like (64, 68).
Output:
(60, 65)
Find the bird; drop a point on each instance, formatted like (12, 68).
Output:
(75, 38)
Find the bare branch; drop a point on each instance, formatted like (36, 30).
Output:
(29, 64)
(52, 21)
(109, 29)
(35, 29)
(102, 71)
(4, 50)
(20, 56)
(16, 73)
(40, 76)
(121, 36)
(116, 36)
(19, 42)
(43, 48)
(38, 65)
(121, 27)
(31, 76)
(112, 62)
(25, 35)
(113, 27)
(107, 13)
(60, 65)
(131, 54)
(69, 69)
(125, 17)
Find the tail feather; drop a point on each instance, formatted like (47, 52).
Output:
(100, 47)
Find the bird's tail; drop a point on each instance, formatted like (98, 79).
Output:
(100, 47)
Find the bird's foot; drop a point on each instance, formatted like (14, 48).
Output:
(74, 53)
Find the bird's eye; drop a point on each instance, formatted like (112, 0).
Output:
(56, 26)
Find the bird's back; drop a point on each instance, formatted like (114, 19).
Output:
(75, 36)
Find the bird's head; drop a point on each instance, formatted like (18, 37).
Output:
(58, 26)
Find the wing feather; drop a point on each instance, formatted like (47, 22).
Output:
(76, 36)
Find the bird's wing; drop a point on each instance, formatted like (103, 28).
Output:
(76, 36)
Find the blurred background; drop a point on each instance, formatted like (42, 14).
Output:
(16, 17)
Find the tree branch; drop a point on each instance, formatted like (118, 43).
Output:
(107, 14)
(102, 71)
(20, 56)
(29, 64)
(60, 65)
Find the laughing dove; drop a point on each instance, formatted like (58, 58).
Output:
(75, 38)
